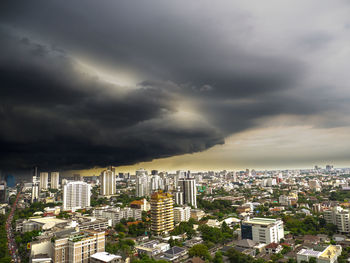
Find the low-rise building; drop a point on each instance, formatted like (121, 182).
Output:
(329, 255)
(105, 257)
(262, 230)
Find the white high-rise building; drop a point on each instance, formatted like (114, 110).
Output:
(142, 183)
(339, 217)
(108, 182)
(35, 186)
(76, 195)
(55, 177)
(179, 197)
(44, 180)
(182, 214)
(189, 190)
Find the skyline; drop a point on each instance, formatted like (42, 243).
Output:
(173, 86)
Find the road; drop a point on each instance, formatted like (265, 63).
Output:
(10, 237)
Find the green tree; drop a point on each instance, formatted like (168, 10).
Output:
(199, 250)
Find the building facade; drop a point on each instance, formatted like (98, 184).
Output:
(78, 247)
(162, 213)
(44, 180)
(108, 183)
(55, 179)
(189, 190)
(76, 195)
(262, 230)
(182, 214)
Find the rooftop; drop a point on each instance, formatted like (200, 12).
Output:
(260, 221)
(105, 256)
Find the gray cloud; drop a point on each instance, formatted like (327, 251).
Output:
(199, 81)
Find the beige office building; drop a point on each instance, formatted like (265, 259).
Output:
(162, 213)
(44, 180)
(55, 177)
(78, 247)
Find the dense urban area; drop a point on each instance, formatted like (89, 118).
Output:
(293, 216)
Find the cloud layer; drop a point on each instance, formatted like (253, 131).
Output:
(89, 83)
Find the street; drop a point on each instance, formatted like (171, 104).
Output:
(10, 237)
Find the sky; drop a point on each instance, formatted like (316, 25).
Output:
(197, 85)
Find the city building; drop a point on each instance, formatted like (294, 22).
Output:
(78, 247)
(108, 182)
(105, 257)
(329, 255)
(162, 213)
(188, 188)
(55, 178)
(117, 213)
(197, 214)
(44, 180)
(339, 217)
(3, 192)
(152, 248)
(142, 183)
(262, 230)
(142, 204)
(35, 185)
(182, 214)
(76, 195)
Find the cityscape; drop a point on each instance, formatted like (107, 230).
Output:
(174, 131)
(183, 216)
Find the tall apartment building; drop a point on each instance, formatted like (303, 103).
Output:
(142, 183)
(78, 247)
(188, 188)
(339, 217)
(108, 182)
(182, 214)
(162, 213)
(44, 180)
(35, 185)
(262, 230)
(76, 195)
(55, 178)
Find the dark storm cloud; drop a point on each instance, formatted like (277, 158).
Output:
(54, 114)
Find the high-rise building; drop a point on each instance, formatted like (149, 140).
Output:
(44, 180)
(262, 230)
(76, 195)
(162, 213)
(35, 185)
(339, 217)
(3, 192)
(108, 182)
(189, 190)
(55, 177)
(142, 183)
(78, 247)
(182, 214)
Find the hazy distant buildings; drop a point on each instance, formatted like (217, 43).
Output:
(108, 182)
(76, 195)
(44, 180)
(55, 178)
